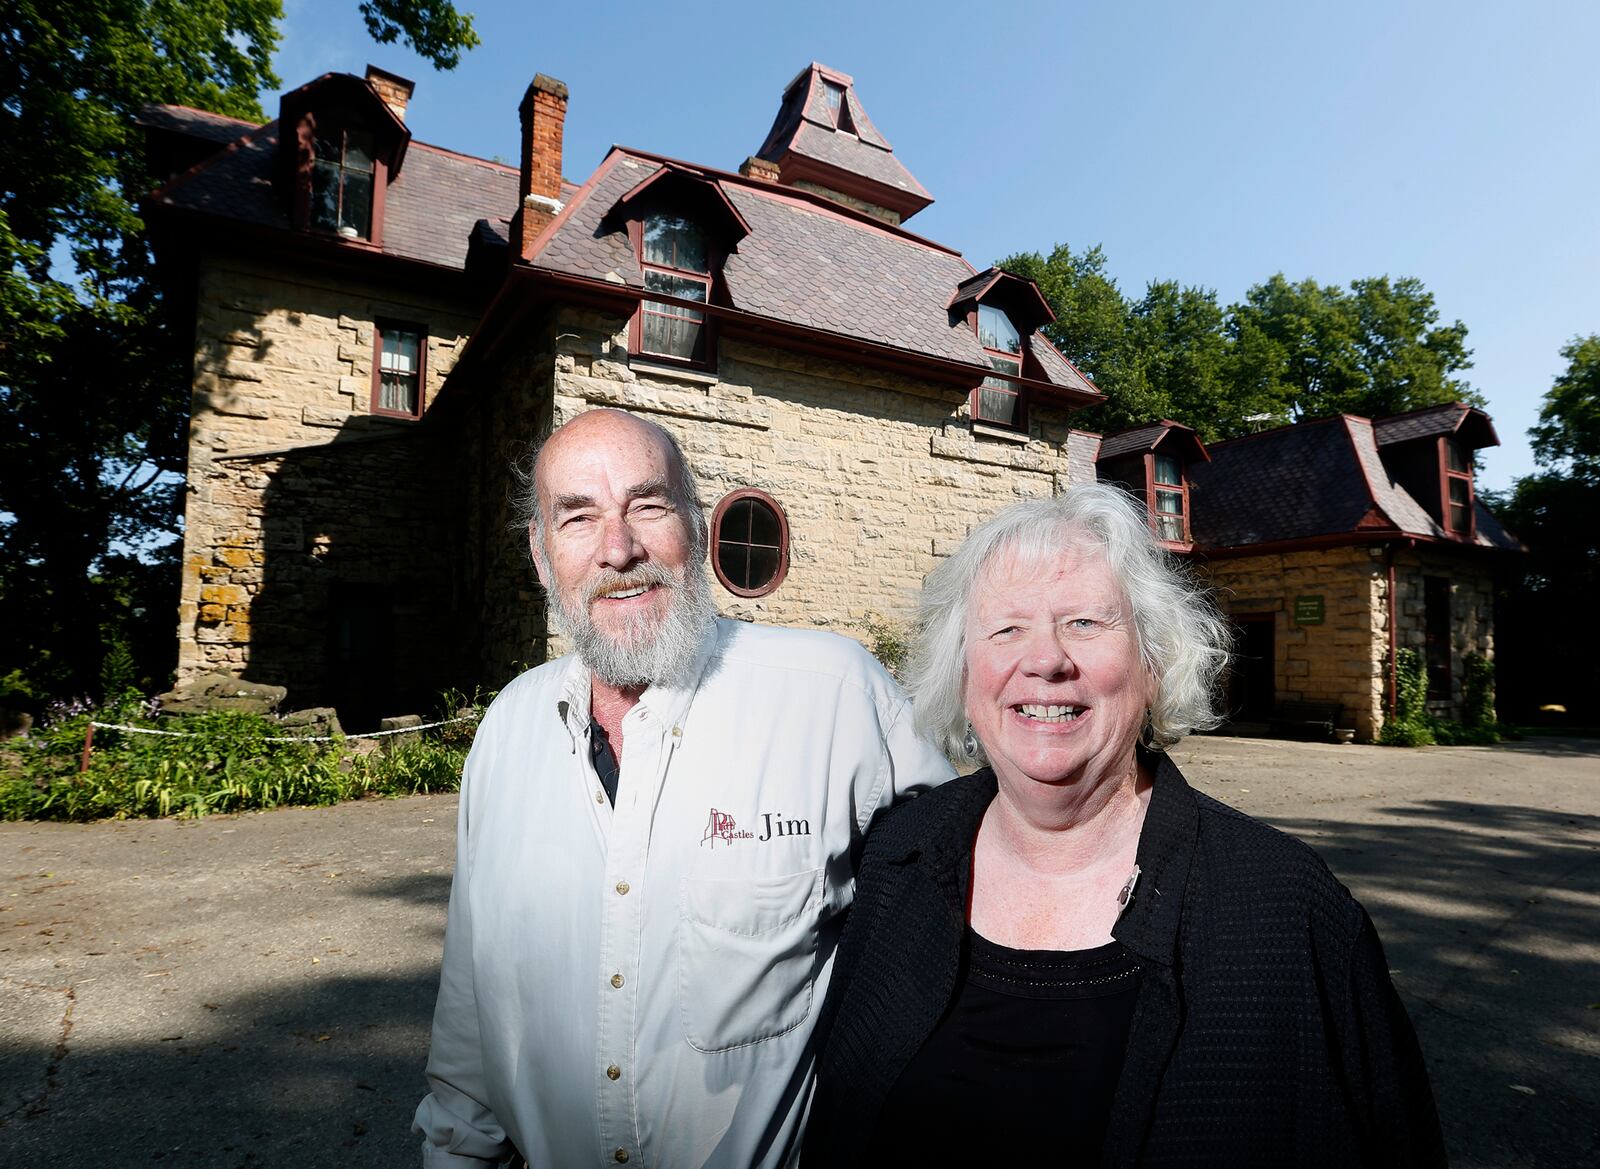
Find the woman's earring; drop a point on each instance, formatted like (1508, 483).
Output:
(969, 743)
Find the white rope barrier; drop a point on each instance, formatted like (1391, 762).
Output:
(287, 738)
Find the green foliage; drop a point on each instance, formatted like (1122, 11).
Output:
(1477, 686)
(432, 27)
(1409, 725)
(1288, 351)
(889, 641)
(227, 762)
(1547, 651)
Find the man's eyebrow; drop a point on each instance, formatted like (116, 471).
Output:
(649, 487)
(572, 502)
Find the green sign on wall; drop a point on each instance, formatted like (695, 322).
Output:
(1308, 610)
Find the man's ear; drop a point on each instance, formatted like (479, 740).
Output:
(540, 565)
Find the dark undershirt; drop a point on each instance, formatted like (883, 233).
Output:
(605, 763)
(1024, 1063)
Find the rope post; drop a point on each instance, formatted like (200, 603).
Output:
(88, 745)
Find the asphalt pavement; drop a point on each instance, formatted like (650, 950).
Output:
(255, 990)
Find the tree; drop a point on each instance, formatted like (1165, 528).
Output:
(93, 391)
(1547, 652)
(1287, 351)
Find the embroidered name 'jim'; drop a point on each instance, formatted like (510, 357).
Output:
(720, 826)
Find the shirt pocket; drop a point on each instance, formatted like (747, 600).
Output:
(747, 952)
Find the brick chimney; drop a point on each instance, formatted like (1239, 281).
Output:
(395, 90)
(759, 168)
(544, 114)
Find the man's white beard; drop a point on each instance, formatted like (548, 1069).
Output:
(642, 653)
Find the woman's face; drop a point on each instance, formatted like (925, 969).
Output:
(1056, 690)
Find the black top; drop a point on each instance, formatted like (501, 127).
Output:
(605, 762)
(1266, 1031)
(1025, 1060)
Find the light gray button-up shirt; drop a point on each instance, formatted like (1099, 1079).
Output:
(638, 984)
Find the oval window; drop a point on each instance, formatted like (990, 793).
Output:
(749, 543)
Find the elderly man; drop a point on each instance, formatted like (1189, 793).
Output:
(657, 839)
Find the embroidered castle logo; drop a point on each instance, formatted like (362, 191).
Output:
(721, 826)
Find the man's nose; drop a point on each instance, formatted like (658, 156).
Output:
(619, 547)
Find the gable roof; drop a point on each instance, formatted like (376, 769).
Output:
(807, 145)
(1317, 479)
(805, 262)
(1186, 443)
(429, 210)
(193, 123)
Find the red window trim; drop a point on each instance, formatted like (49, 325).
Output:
(1445, 476)
(379, 327)
(1020, 425)
(717, 515)
(708, 330)
(1180, 488)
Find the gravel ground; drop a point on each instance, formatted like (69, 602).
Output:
(255, 990)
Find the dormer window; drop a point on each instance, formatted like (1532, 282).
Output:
(838, 108)
(675, 261)
(1458, 489)
(342, 178)
(998, 400)
(1171, 514)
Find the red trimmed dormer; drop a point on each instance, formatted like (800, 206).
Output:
(1152, 463)
(341, 142)
(1004, 312)
(1429, 453)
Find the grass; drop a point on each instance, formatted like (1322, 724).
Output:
(227, 764)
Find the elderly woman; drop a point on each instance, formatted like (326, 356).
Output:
(1071, 957)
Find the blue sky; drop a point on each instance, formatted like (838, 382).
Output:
(1210, 143)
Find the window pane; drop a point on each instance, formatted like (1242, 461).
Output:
(1170, 502)
(686, 287)
(671, 331)
(398, 391)
(763, 567)
(675, 242)
(1005, 365)
(764, 527)
(1168, 470)
(1455, 457)
(996, 405)
(734, 560)
(832, 94)
(357, 211)
(325, 195)
(400, 350)
(737, 520)
(1170, 527)
(328, 144)
(1459, 519)
(995, 330)
(358, 150)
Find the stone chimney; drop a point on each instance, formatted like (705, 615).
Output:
(395, 90)
(759, 168)
(544, 115)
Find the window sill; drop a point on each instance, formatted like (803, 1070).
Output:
(661, 369)
(990, 431)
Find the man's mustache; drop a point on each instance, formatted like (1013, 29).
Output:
(611, 582)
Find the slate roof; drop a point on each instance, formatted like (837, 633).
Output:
(805, 128)
(218, 128)
(1140, 438)
(1432, 421)
(1320, 478)
(430, 209)
(804, 262)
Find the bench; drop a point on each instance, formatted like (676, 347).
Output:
(1307, 720)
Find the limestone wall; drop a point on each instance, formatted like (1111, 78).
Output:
(879, 475)
(1343, 659)
(283, 367)
(1471, 611)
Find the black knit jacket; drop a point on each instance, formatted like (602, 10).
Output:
(1267, 1031)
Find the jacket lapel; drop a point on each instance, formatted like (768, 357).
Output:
(1149, 929)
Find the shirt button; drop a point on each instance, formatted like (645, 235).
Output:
(622, 888)
(613, 1072)
(622, 1156)
(616, 981)
(600, 797)
(677, 732)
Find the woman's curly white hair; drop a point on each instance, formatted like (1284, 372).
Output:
(1182, 638)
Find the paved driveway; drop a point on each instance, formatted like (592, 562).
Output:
(255, 990)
